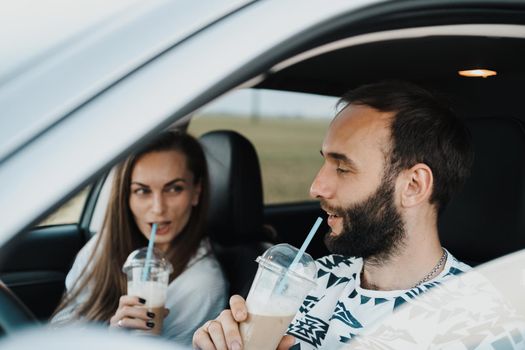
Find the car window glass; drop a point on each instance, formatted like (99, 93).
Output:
(285, 128)
(68, 213)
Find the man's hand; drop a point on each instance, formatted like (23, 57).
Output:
(223, 332)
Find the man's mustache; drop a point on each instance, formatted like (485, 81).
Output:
(331, 209)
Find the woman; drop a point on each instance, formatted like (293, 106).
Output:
(167, 184)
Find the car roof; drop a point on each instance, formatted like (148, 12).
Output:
(51, 66)
(33, 30)
(82, 108)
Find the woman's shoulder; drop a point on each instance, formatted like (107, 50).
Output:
(88, 248)
(203, 269)
(84, 254)
(203, 255)
(82, 263)
(206, 268)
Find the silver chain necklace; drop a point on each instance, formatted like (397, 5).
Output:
(436, 268)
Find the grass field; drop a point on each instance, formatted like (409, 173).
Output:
(288, 150)
(69, 213)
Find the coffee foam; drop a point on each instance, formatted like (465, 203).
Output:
(274, 306)
(154, 292)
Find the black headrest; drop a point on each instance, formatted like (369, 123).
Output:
(236, 198)
(486, 219)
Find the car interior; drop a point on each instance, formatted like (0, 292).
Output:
(236, 218)
(483, 222)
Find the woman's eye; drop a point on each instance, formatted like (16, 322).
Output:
(141, 191)
(175, 189)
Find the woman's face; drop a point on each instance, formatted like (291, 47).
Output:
(162, 192)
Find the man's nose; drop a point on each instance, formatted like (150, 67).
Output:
(321, 186)
(158, 204)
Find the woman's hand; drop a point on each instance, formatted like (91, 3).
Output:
(132, 314)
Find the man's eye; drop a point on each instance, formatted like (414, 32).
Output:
(342, 171)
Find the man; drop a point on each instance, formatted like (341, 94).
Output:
(393, 157)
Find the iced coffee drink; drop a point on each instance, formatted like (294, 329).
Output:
(275, 296)
(149, 281)
(264, 329)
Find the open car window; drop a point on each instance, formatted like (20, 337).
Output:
(68, 213)
(286, 129)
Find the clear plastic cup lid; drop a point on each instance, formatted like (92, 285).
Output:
(137, 258)
(279, 258)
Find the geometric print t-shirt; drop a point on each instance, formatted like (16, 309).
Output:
(338, 310)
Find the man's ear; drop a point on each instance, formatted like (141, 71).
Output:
(416, 185)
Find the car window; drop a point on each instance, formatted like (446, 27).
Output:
(68, 213)
(285, 128)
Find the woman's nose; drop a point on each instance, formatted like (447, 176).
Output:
(158, 204)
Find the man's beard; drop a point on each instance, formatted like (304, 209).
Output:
(372, 229)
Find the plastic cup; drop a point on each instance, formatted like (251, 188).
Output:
(275, 296)
(151, 285)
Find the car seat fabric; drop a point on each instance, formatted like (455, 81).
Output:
(486, 219)
(235, 220)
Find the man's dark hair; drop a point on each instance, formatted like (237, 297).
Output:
(423, 130)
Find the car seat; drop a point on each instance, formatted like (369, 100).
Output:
(235, 220)
(487, 218)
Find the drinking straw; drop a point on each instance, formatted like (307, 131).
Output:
(299, 255)
(306, 242)
(149, 252)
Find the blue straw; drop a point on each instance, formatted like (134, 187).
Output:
(145, 273)
(306, 242)
(280, 284)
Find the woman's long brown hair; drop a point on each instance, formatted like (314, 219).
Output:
(120, 235)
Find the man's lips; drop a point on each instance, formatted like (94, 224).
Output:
(334, 219)
(332, 215)
(331, 212)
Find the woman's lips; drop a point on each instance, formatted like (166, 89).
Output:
(162, 227)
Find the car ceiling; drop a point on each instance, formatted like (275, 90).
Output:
(431, 61)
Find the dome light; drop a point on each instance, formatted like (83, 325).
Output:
(477, 73)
